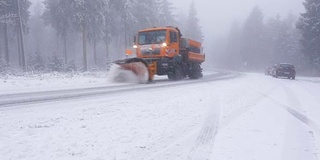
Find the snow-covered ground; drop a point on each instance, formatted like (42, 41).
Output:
(252, 116)
(51, 81)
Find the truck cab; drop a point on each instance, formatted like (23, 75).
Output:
(157, 42)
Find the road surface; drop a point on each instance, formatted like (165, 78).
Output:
(222, 116)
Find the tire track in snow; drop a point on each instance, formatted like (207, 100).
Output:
(296, 110)
(196, 144)
(301, 117)
(245, 107)
(205, 142)
(295, 103)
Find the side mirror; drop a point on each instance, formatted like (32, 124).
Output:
(135, 43)
(135, 40)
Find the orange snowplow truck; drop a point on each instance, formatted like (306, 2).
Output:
(163, 51)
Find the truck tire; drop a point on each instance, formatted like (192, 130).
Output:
(196, 72)
(177, 74)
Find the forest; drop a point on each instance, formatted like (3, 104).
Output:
(87, 35)
(68, 35)
(262, 41)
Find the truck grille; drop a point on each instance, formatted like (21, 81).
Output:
(151, 52)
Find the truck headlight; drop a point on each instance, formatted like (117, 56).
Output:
(164, 45)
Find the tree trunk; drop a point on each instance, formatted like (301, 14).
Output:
(22, 40)
(65, 49)
(1, 47)
(74, 46)
(19, 48)
(84, 43)
(23, 58)
(119, 47)
(95, 51)
(107, 49)
(6, 43)
(58, 45)
(125, 36)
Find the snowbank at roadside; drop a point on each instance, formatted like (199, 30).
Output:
(51, 81)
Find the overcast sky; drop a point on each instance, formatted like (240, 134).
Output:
(216, 16)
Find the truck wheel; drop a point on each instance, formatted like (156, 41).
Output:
(177, 74)
(196, 72)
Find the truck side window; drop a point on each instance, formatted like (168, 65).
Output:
(173, 37)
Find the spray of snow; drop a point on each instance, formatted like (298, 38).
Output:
(118, 75)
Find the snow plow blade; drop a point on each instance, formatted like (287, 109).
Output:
(138, 66)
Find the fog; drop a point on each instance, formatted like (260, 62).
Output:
(224, 30)
(217, 16)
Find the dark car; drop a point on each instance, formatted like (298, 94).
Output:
(284, 70)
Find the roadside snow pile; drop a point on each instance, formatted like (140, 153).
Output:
(51, 81)
(116, 74)
(310, 79)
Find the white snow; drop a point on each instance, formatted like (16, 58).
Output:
(249, 117)
(116, 74)
(52, 81)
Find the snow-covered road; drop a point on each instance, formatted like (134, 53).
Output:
(249, 117)
(21, 98)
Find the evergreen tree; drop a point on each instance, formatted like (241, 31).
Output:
(85, 16)
(10, 18)
(111, 28)
(193, 28)
(96, 24)
(309, 26)
(58, 14)
(165, 16)
(56, 64)
(36, 62)
(232, 58)
(290, 40)
(273, 30)
(146, 13)
(182, 21)
(282, 40)
(126, 11)
(87, 12)
(37, 28)
(2, 65)
(2, 4)
(253, 44)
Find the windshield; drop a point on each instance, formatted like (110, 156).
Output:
(286, 66)
(152, 37)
